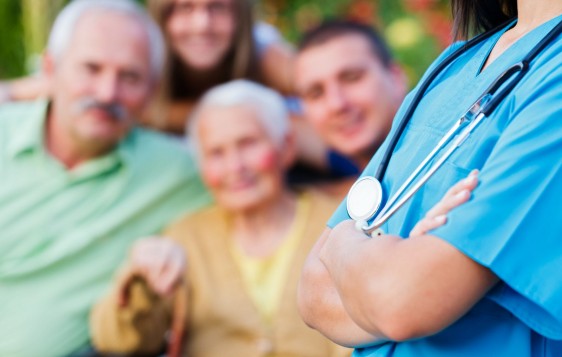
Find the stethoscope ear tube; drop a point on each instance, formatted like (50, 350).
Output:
(482, 108)
(520, 67)
(379, 174)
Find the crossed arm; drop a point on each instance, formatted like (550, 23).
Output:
(359, 291)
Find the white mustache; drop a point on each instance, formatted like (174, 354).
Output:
(114, 110)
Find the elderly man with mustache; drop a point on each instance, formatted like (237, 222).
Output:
(78, 181)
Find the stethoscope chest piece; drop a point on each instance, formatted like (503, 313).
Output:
(364, 199)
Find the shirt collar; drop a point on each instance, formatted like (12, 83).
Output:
(31, 137)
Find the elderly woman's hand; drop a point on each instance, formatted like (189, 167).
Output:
(159, 261)
(456, 196)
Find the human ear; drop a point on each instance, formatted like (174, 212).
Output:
(399, 79)
(288, 149)
(48, 65)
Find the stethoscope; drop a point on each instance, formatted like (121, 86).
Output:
(366, 194)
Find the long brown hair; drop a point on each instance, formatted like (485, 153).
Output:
(475, 16)
(240, 61)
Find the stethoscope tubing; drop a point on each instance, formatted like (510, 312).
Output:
(381, 170)
(386, 214)
(442, 143)
(484, 106)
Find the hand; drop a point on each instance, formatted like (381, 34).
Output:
(159, 261)
(25, 88)
(341, 237)
(456, 196)
(4, 93)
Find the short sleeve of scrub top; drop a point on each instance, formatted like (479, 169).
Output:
(513, 223)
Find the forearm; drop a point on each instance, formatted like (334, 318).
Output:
(277, 64)
(358, 275)
(27, 88)
(321, 307)
(138, 327)
(402, 288)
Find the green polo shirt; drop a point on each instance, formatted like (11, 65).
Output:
(64, 233)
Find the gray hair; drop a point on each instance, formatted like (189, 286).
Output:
(66, 21)
(268, 105)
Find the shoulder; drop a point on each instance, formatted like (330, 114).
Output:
(164, 166)
(539, 94)
(161, 152)
(12, 113)
(157, 143)
(320, 198)
(202, 234)
(192, 225)
(20, 119)
(545, 71)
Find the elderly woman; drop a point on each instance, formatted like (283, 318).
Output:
(244, 254)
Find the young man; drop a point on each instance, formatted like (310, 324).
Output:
(350, 87)
(79, 183)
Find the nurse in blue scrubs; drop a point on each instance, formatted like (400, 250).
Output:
(488, 282)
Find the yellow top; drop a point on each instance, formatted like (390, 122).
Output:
(264, 278)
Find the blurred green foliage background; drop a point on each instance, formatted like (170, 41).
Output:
(417, 30)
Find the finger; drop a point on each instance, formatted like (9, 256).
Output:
(123, 295)
(135, 270)
(176, 268)
(428, 224)
(124, 290)
(148, 258)
(474, 172)
(141, 254)
(455, 196)
(171, 276)
(468, 183)
(447, 204)
(158, 265)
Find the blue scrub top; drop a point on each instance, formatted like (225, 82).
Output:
(513, 223)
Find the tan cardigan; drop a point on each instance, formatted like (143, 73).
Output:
(223, 320)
